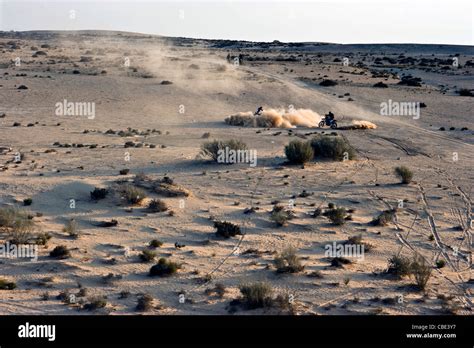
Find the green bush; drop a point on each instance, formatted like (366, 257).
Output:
(155, 243)
(405, 174)
(440, 263)
(147, 255)
(335, 148)
(164, 268)
(27, 201)
(288, 262)
(299, 152)
(212, 148)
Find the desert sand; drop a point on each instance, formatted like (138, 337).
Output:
(174, 94)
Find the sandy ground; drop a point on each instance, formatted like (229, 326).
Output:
(205, 89)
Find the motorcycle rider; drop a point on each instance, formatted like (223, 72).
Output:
(329, 118)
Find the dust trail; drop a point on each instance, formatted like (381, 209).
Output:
(276, 118)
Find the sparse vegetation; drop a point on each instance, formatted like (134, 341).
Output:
(440, 263)
(17, 223)
(144, 303)
(95, 303)
(7, 285)
(421, 271)
(212, 149)
(384, 218)
(399, 266)
(405, 174)
(27, 201)
(299, 152)
(72, 228)
(328, 83)
(132, 194)
(147, 255)
(256, 295)
(157, 206)
(288, 262)
(155, 243)
(226, 229)
(99, 193)
(336, 148)
(338, 216)
(60, 252)
(164, 268)
(280, 215)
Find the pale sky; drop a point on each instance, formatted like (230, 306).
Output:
(341, 21)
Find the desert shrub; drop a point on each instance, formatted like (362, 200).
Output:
(335, 148)
(60, 252)
(157, 206)
(155, 243)
(256, 295)
(340, 262)
(124, 171)
(440, 263)
(43, 238)
(421, 271)
(219, 289)
(72, 228)
(27, 201)
(95, 303)
(299, 152)
(147, 255)
(357, 240)
(99, 193)
(399, 266)
(164, 268)
(132, 194)
(317, 212)
(18, 224)
(464, 92)
(280, 215)
(212, 149)
(380, 85)
(6, 285)
(226, 229)
(288, 262)
(328, 83)
(384, 218)
(144, 303)
(337, 216)
(404, 174)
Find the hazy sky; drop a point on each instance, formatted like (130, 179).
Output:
(343, 21)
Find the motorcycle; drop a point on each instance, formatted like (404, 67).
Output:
(328, 122)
